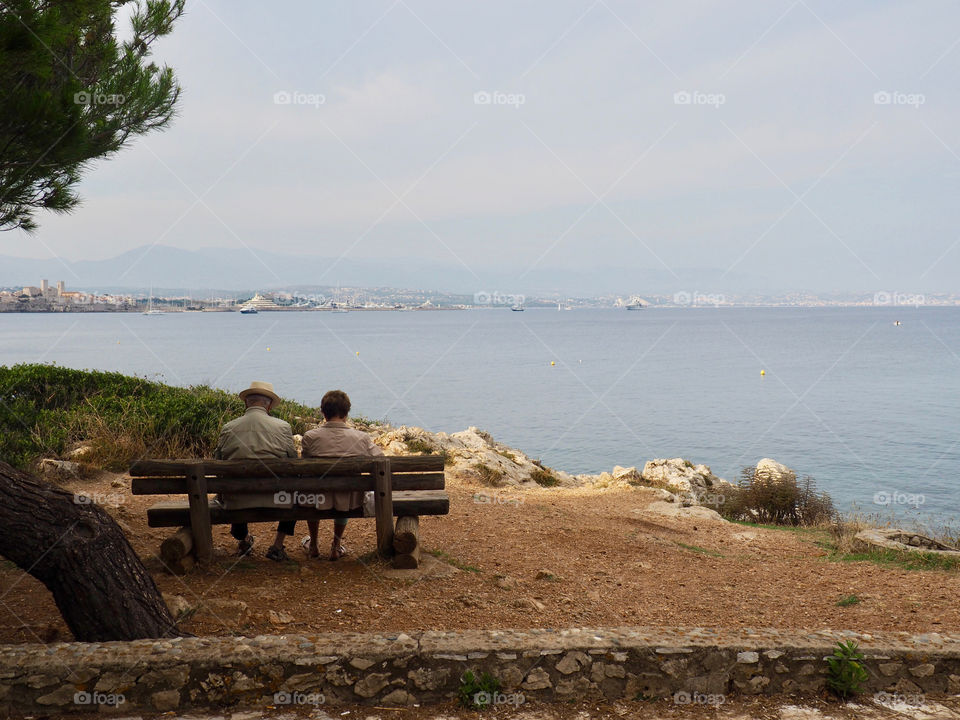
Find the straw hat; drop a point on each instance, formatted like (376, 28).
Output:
(261, 388)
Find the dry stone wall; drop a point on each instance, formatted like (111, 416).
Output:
(406, 668)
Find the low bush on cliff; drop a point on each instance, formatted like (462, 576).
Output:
(46, 409)
(786, 501)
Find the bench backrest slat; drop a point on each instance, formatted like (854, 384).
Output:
(328, 483)
(302, 467)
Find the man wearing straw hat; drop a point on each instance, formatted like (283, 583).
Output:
(257, 435)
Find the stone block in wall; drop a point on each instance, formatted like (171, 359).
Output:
(425, 679)
(647, 685)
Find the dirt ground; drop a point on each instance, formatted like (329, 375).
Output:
(532, 558)
(736, 708)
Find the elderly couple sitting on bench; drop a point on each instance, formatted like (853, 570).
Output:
(258, 435)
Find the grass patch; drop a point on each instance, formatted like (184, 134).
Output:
(488, 475)
(841, 546)
(849, 600)
(418, 445)
(46, 409)
(446, 557)
(508, 455)
(701, 550)
(895, 559)
(543, 476)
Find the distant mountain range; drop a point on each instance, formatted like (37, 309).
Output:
(209, 269)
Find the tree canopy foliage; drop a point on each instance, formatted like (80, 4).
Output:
(73, 91)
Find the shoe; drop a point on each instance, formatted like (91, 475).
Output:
(277, 554)
(245, 546)
(337, 551)
(305, 544)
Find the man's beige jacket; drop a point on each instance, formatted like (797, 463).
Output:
(255, 435)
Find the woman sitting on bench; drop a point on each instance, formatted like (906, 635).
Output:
(335, 438)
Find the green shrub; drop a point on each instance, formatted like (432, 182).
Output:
(784, 502)
(45, 409)
(845, 672)
(477, 691)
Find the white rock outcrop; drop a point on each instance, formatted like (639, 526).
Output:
(474, 455)
(770, 471)
(681, 477)
(676, 510)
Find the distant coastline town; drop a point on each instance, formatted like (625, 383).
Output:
(57, 298)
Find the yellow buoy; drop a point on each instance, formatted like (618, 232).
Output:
(268, 349)
(763, 372)
(552, 362)
(358, 353)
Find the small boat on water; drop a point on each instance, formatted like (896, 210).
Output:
(517, 308)
(150, 309)
(249, 311)
(636, 303)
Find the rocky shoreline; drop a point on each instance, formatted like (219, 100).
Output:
(474, 456)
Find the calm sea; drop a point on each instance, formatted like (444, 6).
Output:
(862, 405)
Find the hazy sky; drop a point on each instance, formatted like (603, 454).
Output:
(817, 142)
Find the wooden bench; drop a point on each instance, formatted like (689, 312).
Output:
(405, 487)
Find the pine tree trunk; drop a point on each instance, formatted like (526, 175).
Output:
(77, 550)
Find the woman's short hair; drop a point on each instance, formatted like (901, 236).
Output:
(335, 403)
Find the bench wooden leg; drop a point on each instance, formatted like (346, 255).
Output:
(175, 551)
(383, 506)
(200, 513)
(406, 543)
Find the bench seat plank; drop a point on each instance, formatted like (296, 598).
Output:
(178, 485)
(176, 513)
